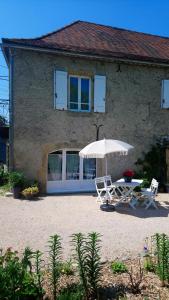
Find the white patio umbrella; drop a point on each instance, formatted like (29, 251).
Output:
(100, 149)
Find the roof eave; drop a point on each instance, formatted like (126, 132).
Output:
(7, 44)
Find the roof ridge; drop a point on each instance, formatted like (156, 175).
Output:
(124, 29)
(88, 22)
(88, 38)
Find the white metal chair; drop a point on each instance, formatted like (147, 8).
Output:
(150, 194)
(151, 185)
(110, 186)
(103, 191)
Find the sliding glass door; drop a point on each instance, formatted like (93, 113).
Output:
(89, 168)
(67, 165)
(72, 165)
(55, 166)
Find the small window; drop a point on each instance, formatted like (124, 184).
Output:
(85, 94)
(79, 93)
(73, 93)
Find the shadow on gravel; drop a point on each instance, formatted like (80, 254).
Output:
(34, 199)
(139, 212)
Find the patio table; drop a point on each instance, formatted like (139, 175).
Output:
(125, 190)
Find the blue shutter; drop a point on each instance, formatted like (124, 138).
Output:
(60, 95)
(99, 93)
(165, 94)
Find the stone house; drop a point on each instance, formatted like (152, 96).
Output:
(65, 83)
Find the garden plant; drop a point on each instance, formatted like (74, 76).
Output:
(118, 267)
(18, 282)
(16, 181)
(162, 255)
(29, 276)
(153, 165)
(55, 250)
(87, 255)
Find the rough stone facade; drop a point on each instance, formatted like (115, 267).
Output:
(167, 163)
(133, 111)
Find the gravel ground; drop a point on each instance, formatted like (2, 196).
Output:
(123, 231)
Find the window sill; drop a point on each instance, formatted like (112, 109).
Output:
(79, 111)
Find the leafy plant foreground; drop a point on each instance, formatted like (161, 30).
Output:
(85, 276)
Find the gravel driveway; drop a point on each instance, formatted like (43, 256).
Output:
(24, 223)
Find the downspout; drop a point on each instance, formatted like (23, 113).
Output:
(11, 114)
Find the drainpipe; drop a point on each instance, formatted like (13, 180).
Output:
(97, 130)
(11, 114)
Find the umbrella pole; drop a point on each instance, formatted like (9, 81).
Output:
(107, 196)
(106, 164)
(106, 206)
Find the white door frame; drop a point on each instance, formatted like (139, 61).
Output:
(65, 185)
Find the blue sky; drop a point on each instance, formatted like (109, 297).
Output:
(32, 18)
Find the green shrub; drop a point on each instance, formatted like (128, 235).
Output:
(16, 179)
(162, 255)
(27, 259)
(118, 267)
(146, 183)
(137, 189)
(17, 282)
(4, 189)
(153, 163)
(93, 262)
(149, 266)
(87, 256)
(4, 176)
(55, 249)
(78, 242)
(38, 269)
(148, 256)
(66, 268)
(72, 292)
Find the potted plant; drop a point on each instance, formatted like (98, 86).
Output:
(16, 180)
(128, 175)
(30, 192)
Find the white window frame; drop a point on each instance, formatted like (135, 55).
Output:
(64, 165)
(79, 93)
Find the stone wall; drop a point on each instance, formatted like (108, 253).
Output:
(133, 113)
(167, 162)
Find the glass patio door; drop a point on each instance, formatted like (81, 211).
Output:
(72, 165)
(55, 166)
(67, 172)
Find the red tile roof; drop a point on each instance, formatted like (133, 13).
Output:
(106, 41)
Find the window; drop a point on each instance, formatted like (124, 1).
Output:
(55, 166)
(89, 168)
(79, 93)
(72, 165)
(74, 92)
(68, 165)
